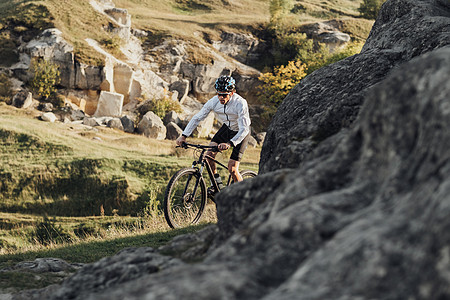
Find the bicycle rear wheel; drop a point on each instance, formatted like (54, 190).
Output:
(185, 198)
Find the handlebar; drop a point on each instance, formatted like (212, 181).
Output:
(207, 147)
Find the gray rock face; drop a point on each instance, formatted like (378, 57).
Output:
(330, 98)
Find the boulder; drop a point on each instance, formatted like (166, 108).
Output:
(115, 123)
(51, 46)
(45, 107)
(152, 126)
(77, 114)
(91, 122)
(49, 117)
(109, 104)
(22, 99)
(173, 131)
(127, 124)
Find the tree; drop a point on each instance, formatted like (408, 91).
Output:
(369, 8)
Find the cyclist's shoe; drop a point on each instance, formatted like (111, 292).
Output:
(211, 192)
(219, 181)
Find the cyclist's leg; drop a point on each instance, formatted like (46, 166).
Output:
(233, 168)
(236, 156)
(221, 136)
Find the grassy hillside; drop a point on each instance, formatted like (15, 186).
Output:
(69, 172)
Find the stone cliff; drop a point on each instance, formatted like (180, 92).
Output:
(354, 198)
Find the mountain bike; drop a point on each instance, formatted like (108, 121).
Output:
(186, 193)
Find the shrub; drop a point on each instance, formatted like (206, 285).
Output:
(278, 84)
(161, 106)
(369, 8)
(45, 78)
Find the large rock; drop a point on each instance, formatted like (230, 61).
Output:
(152, 126)
(173, 131)
(330, 98)
(22, 99)
(127, 124)
(327, 33)
(109, 104)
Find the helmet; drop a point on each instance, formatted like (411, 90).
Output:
(225, 84)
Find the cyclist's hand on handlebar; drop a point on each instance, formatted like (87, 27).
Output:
(181, 140)
(223, 146)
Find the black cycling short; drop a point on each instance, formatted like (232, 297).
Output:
(224, 135)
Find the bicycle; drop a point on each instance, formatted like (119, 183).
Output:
(186, 193)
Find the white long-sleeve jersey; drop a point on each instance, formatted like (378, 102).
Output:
(234, 114)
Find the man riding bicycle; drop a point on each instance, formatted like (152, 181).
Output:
(232, 110)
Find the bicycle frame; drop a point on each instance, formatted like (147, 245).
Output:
(203, 161)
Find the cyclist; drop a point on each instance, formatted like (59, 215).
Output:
(232, 110)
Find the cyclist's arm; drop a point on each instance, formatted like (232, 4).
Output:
(200, 116)
(243, 123)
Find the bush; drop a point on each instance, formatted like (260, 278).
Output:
(369, 8)
(160, 106)
(45, 78)
(278, 84)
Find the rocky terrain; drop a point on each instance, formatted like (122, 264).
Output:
(353, 200)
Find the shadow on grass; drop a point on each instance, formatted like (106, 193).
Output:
(87, 252)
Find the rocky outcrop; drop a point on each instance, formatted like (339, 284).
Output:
(365, 217)
(328, 34)
(330, 98)
(245, 48)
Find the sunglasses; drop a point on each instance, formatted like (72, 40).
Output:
(223, 94)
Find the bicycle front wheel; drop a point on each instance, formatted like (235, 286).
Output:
(246, 174)
(185, 198)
